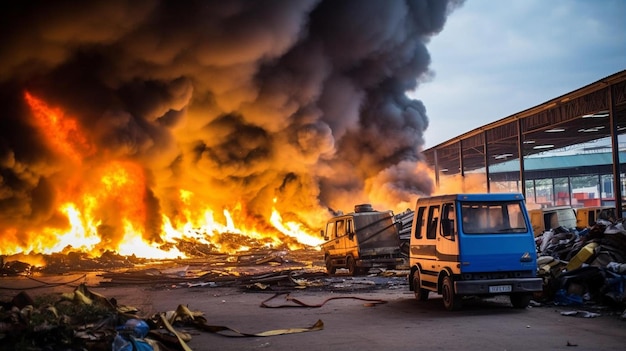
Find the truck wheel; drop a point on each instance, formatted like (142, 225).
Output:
(351, 263)
(329, 266)
(421, 294)
(451, 300)
(520, 300)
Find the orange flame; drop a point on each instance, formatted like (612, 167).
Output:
(107, 208)
(293, 229)
(60, 131)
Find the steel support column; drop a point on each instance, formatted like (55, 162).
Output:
(436, 168)
(462, 170)
(617, 180)
(520, 152)
(486, 150)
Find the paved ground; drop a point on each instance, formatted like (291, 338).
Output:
(402, 323)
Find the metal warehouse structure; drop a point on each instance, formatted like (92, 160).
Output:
(594, 112)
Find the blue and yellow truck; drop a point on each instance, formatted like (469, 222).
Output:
(473, 245)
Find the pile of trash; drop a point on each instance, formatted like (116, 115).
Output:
(583, 267)
(85, 320)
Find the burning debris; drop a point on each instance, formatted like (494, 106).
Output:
(84, 319)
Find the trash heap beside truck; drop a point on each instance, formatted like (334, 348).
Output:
(361, 240)
(473, 245)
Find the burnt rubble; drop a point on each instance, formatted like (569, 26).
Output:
(580, 268)
(85, 320)
(70, 260)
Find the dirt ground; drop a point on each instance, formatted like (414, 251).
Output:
(401, 323)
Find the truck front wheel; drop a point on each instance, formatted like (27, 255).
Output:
(421, 294)
(520, 300)
(450, 300)
(329, 266)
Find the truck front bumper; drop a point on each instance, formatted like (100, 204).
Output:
(498, 286)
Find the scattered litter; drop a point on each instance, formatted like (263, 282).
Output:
(85, 320)
(293, 302)
(583, 314)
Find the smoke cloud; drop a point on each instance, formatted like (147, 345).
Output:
(240, 102)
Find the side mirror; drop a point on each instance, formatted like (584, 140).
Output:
(323, 235)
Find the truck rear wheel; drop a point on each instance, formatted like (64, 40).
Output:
(451, 300)
(421, 294)
(351, 264)
(520, 300)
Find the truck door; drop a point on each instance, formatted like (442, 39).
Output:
(350, 238)
(447, 238)
(335, 244)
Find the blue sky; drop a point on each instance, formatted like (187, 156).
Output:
(496, 58)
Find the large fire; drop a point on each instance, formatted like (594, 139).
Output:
(105, 206)
(164, 135)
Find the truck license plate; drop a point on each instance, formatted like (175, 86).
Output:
(499, 288)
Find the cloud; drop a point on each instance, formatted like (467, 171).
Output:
(494, 60)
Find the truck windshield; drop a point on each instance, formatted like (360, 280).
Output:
(492, 217)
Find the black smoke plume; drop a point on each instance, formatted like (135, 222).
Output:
(238, 101)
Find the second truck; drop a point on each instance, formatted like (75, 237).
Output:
(361, 240)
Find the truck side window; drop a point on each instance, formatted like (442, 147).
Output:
(349, 229)
(341, 228)
(433, 221)
(330, 231)
(448, 220)
(418, 222)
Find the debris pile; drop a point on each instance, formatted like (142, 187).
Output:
(74, 321)
(74, 261)
(584, 267)
(85, 320)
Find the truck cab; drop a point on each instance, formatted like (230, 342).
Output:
(361, 240)
(473, 245)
